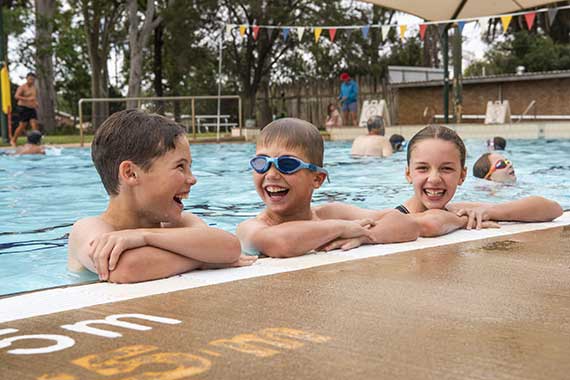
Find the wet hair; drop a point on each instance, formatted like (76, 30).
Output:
(499, 143)
(438, 132)
(34, 137)
(294, 134)
(31, 74)
(482, 166)
(131, 135)
(397, 142)
(376, 122)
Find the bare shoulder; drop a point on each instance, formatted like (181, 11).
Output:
(250, 226)
(188, 220)
(82, 232)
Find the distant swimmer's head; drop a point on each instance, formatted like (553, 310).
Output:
(137, 137)
(375, 125)
(34, 137)
(494, 167)
(497, 143)
(436, 165)
(398, 142)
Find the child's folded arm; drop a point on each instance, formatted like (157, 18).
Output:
(339, 210)
(437, 222)
(529, 209)
(150, 263)
(295, 238)
(395, 227)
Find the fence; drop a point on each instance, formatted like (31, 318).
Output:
(143, 101)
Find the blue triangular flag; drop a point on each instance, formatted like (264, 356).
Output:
(365, 30)
(285, 33)
(461, 24)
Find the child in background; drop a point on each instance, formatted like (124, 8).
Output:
(494, 167)
(436, 166)
(288, 167)
(145, 165)
(334, 119)
(33, 144)
(497, 143)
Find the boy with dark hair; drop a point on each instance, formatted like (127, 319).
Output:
(375, 143)
(145, 164)
(34, 144)
(288, 167)
(27, 101)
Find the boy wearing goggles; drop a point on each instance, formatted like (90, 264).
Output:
(494, 167)
(287, 168)
(145, 164)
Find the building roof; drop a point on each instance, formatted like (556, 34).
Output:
(540, 75)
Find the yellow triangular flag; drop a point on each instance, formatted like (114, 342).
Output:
(506, 20)
(318, 32)
(403, 29)
(242, 29)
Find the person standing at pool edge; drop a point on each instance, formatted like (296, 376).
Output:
(26, 96)
(145, 164)
(287, 168)
(348, 98)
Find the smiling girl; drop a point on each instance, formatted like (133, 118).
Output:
(435, 167)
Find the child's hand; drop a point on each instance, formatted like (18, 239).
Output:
(356, 228)
(244, 261)
(106, 249)
(475, 216)
(345, 244)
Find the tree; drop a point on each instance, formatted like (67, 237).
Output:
(45, 10)
(100, 18)
(138, 40)
(533, 51)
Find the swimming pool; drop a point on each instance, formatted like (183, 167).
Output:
(41, 197)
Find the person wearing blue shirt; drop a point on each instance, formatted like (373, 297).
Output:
(348, 98)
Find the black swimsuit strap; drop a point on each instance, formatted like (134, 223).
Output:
(402, 209)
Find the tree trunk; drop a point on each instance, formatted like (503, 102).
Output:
(45, 10)
(137, 42)
(157, 66)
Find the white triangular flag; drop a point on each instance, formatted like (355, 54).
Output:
(300, 32)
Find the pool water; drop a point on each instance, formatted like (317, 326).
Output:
(41, 197)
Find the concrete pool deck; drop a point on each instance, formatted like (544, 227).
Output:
(469, 305)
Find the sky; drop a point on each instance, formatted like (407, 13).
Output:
(473, 47)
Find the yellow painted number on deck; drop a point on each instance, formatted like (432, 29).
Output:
(129, 358)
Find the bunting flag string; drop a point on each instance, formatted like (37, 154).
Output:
(409, 29)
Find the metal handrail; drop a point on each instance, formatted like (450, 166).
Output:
(151, 98)
(532, 104)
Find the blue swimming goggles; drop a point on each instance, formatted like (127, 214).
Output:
(285, 164)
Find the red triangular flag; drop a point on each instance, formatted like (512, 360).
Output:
(255, 32)
(423, 28)
(529, 17)
(332, 33)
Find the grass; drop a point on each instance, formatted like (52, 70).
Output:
(76, 139)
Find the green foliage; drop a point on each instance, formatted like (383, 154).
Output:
(535, 52)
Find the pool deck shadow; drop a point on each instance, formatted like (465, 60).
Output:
(469, 305)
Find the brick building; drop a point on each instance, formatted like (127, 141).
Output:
(415, 102)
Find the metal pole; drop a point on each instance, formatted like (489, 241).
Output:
(222, 31)
(193, 102)
(445, 75)
(81, 123)
(240, 117)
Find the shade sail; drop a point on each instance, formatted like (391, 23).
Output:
(435, 10)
